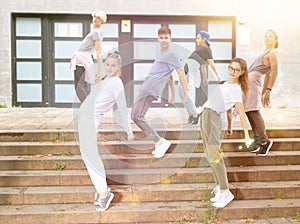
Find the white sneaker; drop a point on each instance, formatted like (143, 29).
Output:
(103, 203)
(161, 147)
(217, 192)
(156, 145)
(224, 200)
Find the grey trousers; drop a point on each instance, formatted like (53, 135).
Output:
(139, 110)
(211, 131)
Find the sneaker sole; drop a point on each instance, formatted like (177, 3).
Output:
(96, 196)
(223, 205)
(159, 155)
(154, 151)
(268, 149)
(255, 150)
(95, 199)
(98, 209)
(213, 200)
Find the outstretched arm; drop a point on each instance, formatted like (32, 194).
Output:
(270, 79)
(229, 121)
(172, 87)
(240, 108)
(98, 46)
(121, 111)
(183, 83)
(214, 68)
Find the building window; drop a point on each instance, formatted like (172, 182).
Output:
(42, 46)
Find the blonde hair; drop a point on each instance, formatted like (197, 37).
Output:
(99, 13)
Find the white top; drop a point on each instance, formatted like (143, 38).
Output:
(106, 95)
(223, 97)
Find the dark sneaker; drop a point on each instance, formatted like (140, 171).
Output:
(103, 203)
(254, 147)
(196, 119)
(264, 149)
(190, 120)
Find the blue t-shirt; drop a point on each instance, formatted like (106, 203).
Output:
(160, 73)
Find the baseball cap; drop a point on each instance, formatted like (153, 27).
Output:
(205, 35)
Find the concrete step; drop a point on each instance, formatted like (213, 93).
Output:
(147, 193)
(19, 178)
(111, 133)
(133, 161)
(135, 147)
(180, 212)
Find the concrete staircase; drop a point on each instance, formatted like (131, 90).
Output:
(44, 180)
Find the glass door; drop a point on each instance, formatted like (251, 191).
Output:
(67, 38)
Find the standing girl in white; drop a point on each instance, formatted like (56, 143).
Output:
(222, 99)
(105, 95)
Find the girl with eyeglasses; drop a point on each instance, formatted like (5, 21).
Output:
(105, 95)
(222, 99)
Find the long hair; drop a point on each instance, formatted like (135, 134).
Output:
(243, 80)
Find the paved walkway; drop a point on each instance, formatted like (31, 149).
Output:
(63, 118)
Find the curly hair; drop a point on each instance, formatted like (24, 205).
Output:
(243, 79)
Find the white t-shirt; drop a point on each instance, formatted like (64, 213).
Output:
(223, 97)
(106, 95)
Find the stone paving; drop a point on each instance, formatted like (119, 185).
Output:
(63, 118)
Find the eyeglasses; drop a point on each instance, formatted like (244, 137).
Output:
(114, 54)
(235, 70)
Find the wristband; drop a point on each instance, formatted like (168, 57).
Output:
(269, 89)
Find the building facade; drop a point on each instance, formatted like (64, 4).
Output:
(39, 37)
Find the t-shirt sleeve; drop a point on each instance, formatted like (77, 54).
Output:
(117, 88)
(236, 94)
(97, 35)
(195, 56)
(204, 52)
(120, 107)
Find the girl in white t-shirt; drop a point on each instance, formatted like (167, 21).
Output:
(222, 99)
(105, 95)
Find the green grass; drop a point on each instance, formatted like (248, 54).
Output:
(64, 154)
(60, 166)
